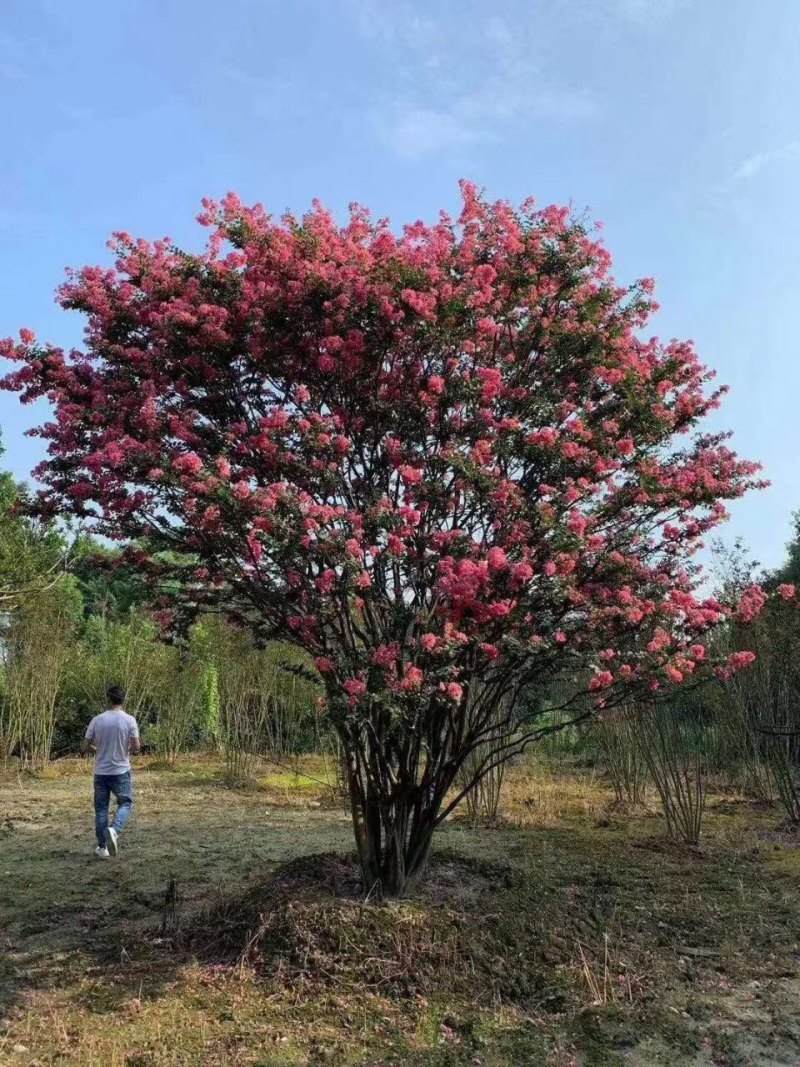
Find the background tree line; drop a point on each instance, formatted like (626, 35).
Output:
(72, 625)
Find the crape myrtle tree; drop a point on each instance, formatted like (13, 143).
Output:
(444, 462)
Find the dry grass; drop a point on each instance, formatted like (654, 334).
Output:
(539, 795)
(570, 933)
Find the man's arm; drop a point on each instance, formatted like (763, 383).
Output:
(88, 744)
(134, 744)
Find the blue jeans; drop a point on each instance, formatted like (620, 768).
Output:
(121, 785)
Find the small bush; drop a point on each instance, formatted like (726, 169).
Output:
(673, 747)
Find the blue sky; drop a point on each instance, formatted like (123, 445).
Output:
(676, 122)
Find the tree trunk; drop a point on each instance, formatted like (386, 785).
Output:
(393, 837)
(399, 780)
(397, 865)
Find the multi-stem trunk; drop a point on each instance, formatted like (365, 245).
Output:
(400, 770)
(393, 829)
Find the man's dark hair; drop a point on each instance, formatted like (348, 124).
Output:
(115, 695)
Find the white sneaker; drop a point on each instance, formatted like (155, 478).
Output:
(111, 840)
(102, 853)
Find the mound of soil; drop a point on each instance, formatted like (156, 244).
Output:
(310, 925)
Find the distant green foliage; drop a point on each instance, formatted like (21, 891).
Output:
(38, 642)
(107, 591)
(31, 554)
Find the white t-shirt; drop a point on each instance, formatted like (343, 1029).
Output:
(112, 733)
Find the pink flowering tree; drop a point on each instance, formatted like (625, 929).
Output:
(445, 462)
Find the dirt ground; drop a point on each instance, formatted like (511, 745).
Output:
(570, 933)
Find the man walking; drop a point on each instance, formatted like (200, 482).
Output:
(113, 735)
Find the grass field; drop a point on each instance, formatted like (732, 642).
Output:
(568, 934)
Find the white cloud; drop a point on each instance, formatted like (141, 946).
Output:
(754, 164)
(455, 80)
(733, 196)
(459, 83)
(512, 100)
(395, 24)
(266, 97)
(417, 131)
